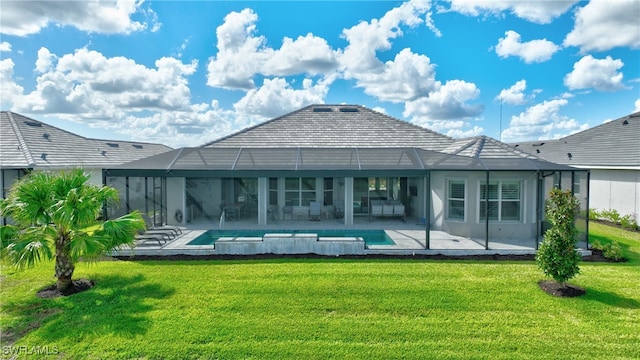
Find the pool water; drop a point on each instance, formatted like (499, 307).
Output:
(371, 237)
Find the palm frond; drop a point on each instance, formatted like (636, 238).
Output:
(30, 246)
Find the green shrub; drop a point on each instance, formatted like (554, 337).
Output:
(611, 250)
(611, 215)
(597, 245)
(557, 256)
(629, 222)
(594, 214)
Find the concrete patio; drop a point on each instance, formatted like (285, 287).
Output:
(409, 238)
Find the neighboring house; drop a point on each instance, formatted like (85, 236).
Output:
(611, 152)
(360, 166)
(27, 144)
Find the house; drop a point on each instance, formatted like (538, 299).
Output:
(27, 144)
(363, 167)
(611, 151)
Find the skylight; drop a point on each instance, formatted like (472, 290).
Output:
(33, 123)
(322, 109)
(113, 145)
(348, 109)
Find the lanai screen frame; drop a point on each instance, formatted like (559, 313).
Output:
(346, 162)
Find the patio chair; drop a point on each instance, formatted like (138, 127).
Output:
(142, 238)
(287, 210)
(150, 226)
(314, 210)
(273, 212)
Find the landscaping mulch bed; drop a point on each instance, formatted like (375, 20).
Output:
(556, 289)
(596, 257)
(77, 286)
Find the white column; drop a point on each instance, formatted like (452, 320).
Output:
(263, 200)
(348, 201)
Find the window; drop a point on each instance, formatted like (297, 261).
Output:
(273, 191)
(504, 201)
(299, 191)
(455, 199)
(328, 191)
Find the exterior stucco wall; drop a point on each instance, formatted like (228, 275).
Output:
(616, 189)
(472, 226)
(176, 200)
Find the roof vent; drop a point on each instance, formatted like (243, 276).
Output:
(113, 145)
(43, 156)
(537, 151)
(569, 155)
(322, 109)
(46, 136)
(33, 123)
(626, 122)
(104, 152)
(348, 109)
(137, 146)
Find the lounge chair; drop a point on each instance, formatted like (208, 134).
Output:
(150, 226)
(314, 210)
(142, 237)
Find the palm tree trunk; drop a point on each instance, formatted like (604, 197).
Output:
(64, 265)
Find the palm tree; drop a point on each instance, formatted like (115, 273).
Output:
(56, 215)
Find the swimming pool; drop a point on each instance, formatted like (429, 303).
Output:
(371, 237)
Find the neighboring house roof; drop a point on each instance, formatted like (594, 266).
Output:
(28, 143)
(335, 126)
(614, 144)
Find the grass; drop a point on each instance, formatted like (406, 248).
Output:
(333, 308)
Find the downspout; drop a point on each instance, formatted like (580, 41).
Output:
(538, 198)
(486, 226)
(588, 198)
(126, 189)
(428, 212)
(104, 184)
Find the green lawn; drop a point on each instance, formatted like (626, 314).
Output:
(333, 308)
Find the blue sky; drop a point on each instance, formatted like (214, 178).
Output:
(186, 73)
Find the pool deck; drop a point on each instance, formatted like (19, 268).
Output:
(409, 238)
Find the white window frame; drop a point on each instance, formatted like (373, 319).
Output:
(448, 199)
(500, 200)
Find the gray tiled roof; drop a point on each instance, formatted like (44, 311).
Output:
(613, 144)
(484, 147)
(28, 143)
(335, 126)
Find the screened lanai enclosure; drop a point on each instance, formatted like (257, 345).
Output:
(433, 198)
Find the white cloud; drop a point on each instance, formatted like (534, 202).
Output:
(603, 24)
(276, 97)
(44, 61)
(10, 91)
(637, 106)
(541, 121)
(23, 18)
(408, 77)
(5, 47)
(366, 38)
(190, 127)
(530, 51)
(308, 54)
(446, 109)
(240, 53)
(88, 84)
(599, 74)
(541, 12)
(515, 94)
